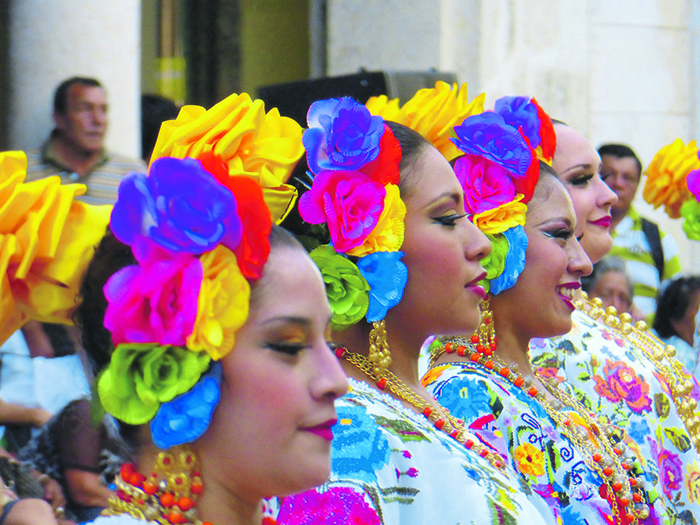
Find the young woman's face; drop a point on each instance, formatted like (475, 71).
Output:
(271, 433)
(442, 252)
(578, 166)
(541, 302)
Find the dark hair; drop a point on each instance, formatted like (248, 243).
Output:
(621, 151)
(543, 190)
(155, 109)
(673, 303)
(413, 144)
(60, 97)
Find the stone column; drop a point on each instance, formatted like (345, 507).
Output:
(50, 41)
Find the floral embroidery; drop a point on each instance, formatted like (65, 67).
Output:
(530, 459)
(621, 383)
(671, 470)
(335, 505)
(692, 481)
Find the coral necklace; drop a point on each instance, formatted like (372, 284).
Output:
(439, 416)
(621, 486)
(167, 496)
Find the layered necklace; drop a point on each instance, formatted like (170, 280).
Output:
(167, 496)
(599, 442)
(375, 366)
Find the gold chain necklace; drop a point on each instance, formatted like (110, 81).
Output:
(439, 416)
(662, 357)
(620, 485)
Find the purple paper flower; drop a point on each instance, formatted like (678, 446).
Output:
(520, 113)
(156, 303)
(486, 184)
(386, 276)
(693, 182)
(328, 507)
(488, 135)
(348, 201)
(342, 135)
(179, 205)
(185, 418)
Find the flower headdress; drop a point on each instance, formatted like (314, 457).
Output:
(499, 172)
(198, 229)
(432, 112)
(47, 239)
(673, 180)
(353, 158)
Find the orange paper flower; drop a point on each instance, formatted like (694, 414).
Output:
(252, 143)
(432, 113)
(666, 176)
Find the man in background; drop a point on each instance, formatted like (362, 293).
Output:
(75, 150)
(650, 254)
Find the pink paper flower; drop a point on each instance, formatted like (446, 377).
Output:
(486, 184)
(350, 202)
(154, 303)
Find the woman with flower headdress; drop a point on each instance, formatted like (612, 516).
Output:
(556, 444)
(619, 369)
(384, 218)
(208, 325)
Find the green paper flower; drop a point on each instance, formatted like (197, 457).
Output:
(690, 211)
(495, 262)
(142, 376)
(347, 290)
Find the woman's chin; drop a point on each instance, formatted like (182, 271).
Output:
(597, 246)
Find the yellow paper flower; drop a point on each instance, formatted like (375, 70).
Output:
(222, 306)
(47, 240)
(381, 106)
(387, 235)
(666, 176)
(506, 216)
(530, 460)
(250, 142)
(434, 112)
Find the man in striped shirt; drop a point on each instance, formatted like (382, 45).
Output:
(650, 254)
(75, 150)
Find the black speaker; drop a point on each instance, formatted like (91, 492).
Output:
(293, 99)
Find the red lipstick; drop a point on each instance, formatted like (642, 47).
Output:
(324, 430)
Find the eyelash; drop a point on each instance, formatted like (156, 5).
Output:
(563, 233)
(292, 349)
(581, 180)
(449, 220)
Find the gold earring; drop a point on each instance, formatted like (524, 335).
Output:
(379, 354)
(484, 339)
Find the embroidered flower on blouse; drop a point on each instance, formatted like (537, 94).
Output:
(328, 507)
(671, 472)
(621, 383)
(530, 460)
(692, 481)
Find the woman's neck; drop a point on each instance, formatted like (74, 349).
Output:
(404, 356)
(512, 346)
(216, 504)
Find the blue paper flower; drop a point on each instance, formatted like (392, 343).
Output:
(488, 135)
(342, 135)
(187, 417)
(520, 112)
(386, 276)
(515, 260)
(180, 206)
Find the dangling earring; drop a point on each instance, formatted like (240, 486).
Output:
(484, 339)
(379, 354)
